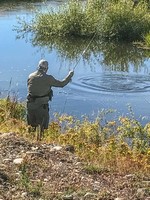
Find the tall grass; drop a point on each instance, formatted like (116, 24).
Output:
(12, 115)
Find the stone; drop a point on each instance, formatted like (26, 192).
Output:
(24, 194)
(130, 176)
(141, 192)
(56, 148)
(68, 197)
(89, 196)
(18, 161)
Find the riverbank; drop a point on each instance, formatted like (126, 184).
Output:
(31, 170)
(74, 159)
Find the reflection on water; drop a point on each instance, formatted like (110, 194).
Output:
(112, 56)
(108, 76)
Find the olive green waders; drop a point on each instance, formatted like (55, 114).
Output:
(37, 115)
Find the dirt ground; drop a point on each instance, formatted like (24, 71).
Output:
(31, 170)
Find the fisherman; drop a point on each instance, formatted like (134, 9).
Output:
(40, 93)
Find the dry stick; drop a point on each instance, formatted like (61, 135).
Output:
(78, 63)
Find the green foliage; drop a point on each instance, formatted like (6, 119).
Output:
(26, 183)
(147, 39)
(111, 20)
(123, 23)
(71, 20)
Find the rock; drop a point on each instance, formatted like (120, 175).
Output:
(34, 148)
(18, 161)
(96, 186)
(4, 135)
(34, 152)
(56, 148)
(90, 196)
(121, 198)
(130, 176)
(24, 194)
(67, 197)
(141, 192)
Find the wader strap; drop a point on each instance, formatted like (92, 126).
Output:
(33, 98)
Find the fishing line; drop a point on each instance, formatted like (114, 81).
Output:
(84, 51)
(77, 64)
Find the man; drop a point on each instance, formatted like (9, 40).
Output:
(39, 93)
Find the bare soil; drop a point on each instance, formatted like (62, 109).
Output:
(32, 170)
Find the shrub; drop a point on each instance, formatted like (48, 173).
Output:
(147, 39)
(122, 22)
(111, 20)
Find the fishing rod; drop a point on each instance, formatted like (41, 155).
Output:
(78, 63)
(84, 51)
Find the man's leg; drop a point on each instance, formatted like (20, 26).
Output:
(31, 119)
(43, 117)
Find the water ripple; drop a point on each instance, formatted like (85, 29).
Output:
(113, 83)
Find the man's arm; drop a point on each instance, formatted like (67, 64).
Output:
(61, 83)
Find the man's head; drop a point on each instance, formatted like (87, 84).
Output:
(43, 66)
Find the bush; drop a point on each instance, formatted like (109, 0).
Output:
(111, 20)
(147, 39)
(122, 22)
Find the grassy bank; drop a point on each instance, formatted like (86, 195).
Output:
(122, 146)
(75, 159)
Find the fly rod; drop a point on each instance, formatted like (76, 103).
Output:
(78, 63)
(84, 51)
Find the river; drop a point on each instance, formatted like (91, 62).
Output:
(112, 77)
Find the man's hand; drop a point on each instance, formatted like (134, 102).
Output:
(71, 73)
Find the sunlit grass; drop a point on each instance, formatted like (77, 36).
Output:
(117, 146)
(12, 115)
